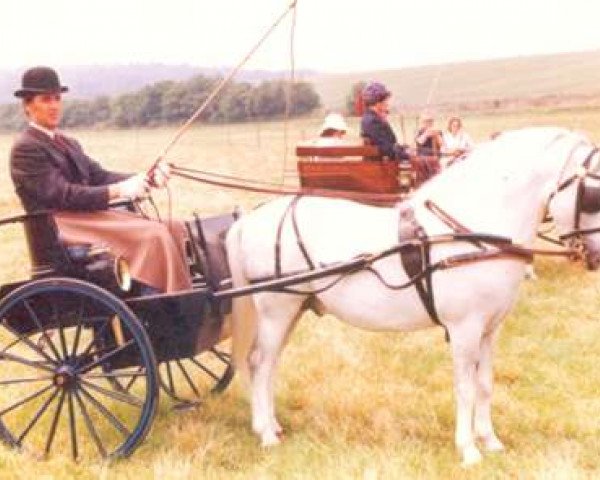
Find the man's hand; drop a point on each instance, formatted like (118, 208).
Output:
(159, 175)
(133, 187)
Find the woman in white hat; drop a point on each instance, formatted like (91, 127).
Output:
(332, 130)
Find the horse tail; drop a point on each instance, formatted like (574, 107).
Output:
(244, 315)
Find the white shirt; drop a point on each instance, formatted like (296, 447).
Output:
(45, 130)
(460, 141)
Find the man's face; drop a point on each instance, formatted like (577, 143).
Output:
(45, 109)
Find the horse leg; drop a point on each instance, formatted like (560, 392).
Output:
(465, 341)
(484, 430)
(274, 422)
(272, 331)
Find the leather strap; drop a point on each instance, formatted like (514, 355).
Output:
(290, 209)
(416, 259)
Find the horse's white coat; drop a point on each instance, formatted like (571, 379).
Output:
(502, 188)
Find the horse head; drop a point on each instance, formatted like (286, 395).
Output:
(575, 207)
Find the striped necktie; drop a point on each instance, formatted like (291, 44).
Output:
(61, 143)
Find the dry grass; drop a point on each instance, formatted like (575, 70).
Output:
(356, 404)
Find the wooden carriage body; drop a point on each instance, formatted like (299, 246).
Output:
(361, 168)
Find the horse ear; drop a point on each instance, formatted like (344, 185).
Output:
(590, 203)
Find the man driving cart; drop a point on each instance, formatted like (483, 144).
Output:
(52, 172)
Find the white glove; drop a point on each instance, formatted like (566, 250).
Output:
(134, 187)
(160, 174)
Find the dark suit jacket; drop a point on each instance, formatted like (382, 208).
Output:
(49, 176)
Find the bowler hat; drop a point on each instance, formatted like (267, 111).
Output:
(39, 80)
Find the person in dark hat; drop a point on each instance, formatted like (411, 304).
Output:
(374, 125)
(50, 171)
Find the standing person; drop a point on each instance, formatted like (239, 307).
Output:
(428, 138)
(374, 125)
(50, 171)
(455, 141)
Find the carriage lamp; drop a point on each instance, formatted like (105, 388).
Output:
(122, 274)
(405, 177)
(97, 264)
(110, 272)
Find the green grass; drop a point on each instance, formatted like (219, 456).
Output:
(354, 404)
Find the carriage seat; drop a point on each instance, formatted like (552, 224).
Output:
(343, 167)
(51, 256)
(48, 254)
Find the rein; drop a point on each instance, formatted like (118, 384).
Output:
(504, 247)
(509, 248)
(414, 248)
(258, 186)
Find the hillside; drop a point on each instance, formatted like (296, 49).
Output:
(562, 75)
(568, 77)
(90, 81)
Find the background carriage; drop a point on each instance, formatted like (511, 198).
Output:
(361, 168)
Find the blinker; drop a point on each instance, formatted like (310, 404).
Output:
(590, 202)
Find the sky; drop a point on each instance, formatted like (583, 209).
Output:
(330, 35)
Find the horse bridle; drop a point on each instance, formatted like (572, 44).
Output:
(587, 199)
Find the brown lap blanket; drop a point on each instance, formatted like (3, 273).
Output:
(153, 250)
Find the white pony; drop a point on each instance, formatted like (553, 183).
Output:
(503, 189)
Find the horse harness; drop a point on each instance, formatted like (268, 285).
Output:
(587, 200)
(413, 248)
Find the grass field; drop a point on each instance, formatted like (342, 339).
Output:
(358, 405)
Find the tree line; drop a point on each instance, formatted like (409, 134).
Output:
(169, 102)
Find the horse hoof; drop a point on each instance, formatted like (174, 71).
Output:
(275, 425)
(530, 273)
(471, 456)
(270, 439)
(492, 444)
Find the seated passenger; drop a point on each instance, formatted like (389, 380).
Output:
(428, 138)
(332, 130)
(52, 172)
(455, 141)
(374, 125)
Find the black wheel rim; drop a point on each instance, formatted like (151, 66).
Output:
(190, 380)
(63, 345)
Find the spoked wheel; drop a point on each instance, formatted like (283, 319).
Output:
(189, 380)
(63, 344)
